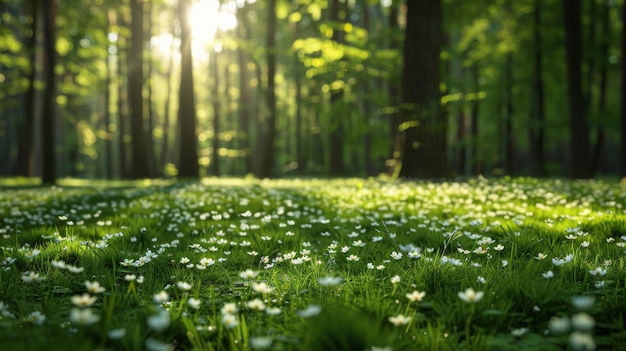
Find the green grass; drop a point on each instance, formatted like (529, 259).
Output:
(143, 243)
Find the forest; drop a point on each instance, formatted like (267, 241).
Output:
(132, 89)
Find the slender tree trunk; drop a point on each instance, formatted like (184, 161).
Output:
(140, 166)
(598, 149)
(509, 143)
(476, 159)
(122, 102)
(393, 94)
(214, 71)
(165, 143)
(25, 157)
(336, 130)
(187, 109)
(150, 153)
(244, 93)
(578, 125)
(49, 102)
(425, 126)
(268, 155)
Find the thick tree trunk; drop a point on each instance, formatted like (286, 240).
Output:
(49, 103)
(188, 167)
(537, 116)
(140, 168)
(623, 96)
(25, 156)
(266, 169)
(578, 125)
(424, 123)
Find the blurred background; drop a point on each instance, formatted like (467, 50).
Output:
(127, 89)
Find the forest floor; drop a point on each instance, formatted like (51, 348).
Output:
(230, 264)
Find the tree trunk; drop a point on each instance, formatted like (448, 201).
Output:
(244, 93)
(537, 116)
(165, 142)
(49, 102)
(336, 130)
(394, 96)
(598, 149)
(424, 123)
(187, 110)
(509, 143)
(140, 168)
(623, 95)
(578, 125)
(214, 71)
(25, 156)
(268, 155)
(150, 154)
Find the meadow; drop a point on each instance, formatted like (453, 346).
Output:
(233, 264)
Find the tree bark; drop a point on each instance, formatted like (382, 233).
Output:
(623, 95)
(140, 168)
(49, 114)
(578, 125)
(188, 167)
(266, 169)
(537, 116)
(424, 123)
(25, 157)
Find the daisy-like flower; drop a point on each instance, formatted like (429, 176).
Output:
(261, 342)
(416, 296)
(229, 320)
(471, 296)
(519, 332)
(396, 255)
(598, 271)
(541, 256)
(273, 311)
(583, 322)
(160, 321)
(499, 247)
(262, 288)
(330, 282)
(161, 297)
(559, 325)
(395, 279)
(481, 280)
(581, 341)
(36, 318)
(309, 311)
(399, 320)
(58, 264)
(116, 333)
(194, 303)
(84, 300)
(583, 302)
(83, 316)
(548, 274)
(183, 286)
(32, 254)
(229, 308)
(130, 277)
(248, 274)
(74, 269)
(353, 258)
(256, 304)
(157, 345)
(94, 287)
(32, 277)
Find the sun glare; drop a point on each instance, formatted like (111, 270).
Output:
(207, 17)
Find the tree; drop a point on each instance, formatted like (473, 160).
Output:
(140, 166)
(49, 101)
(266, 169)
(25, 157)
(537, 117)
(423, 126)
(336, 132)
(188, 167)
(578, 125)
(623, 95)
